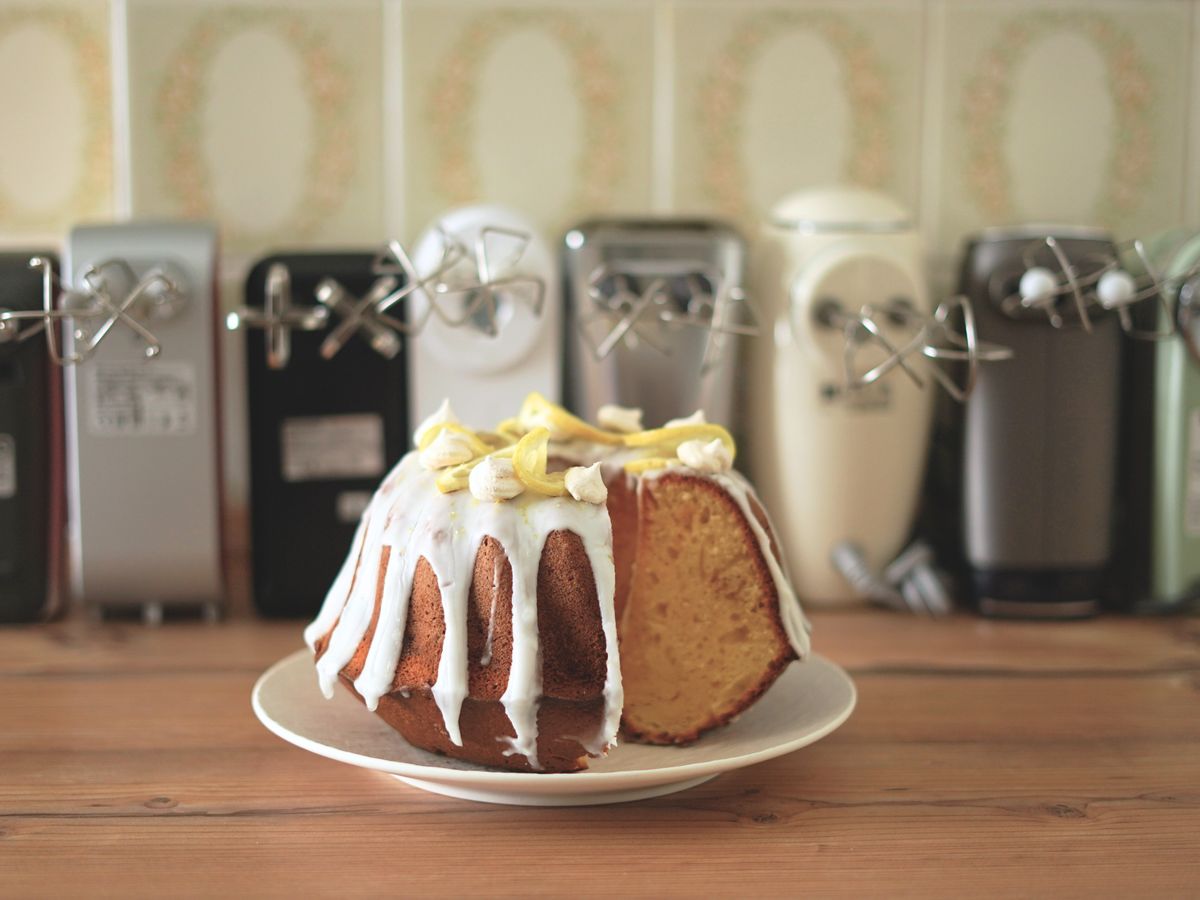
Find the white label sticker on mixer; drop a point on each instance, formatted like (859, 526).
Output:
(143, 399)
(1191, 512)
(8, 466)
(326, 447)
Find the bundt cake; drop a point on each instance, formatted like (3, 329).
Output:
(513, 597)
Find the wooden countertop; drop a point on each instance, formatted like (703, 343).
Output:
(984, 759)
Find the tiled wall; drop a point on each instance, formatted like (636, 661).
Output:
(339, 123)
(321, 123)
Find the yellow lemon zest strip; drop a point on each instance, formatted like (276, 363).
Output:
(538, 411)
(511, 430)
(494, 440)
(529, 462)
(430, 435)
(667, 440)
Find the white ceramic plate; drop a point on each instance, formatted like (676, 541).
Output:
(808, 701)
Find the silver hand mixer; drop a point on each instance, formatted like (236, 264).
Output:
(133, 326)
(655, 311)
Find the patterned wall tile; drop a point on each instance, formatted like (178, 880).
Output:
(265, 117)
(546, 107)
(774, 97)
(1071, 113)
(56, 150)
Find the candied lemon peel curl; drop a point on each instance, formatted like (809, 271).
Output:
(525, 439)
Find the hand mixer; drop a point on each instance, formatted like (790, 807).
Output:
(31, 470)
(655, 308)
(484, 293)
(142, 438)
(1041, 442)
(327, 406)
(840, 419)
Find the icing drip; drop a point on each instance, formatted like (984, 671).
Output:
(409, 519)
(452, 562)
(338, 592)
(356, 614)
(380, 666)
(604, 572)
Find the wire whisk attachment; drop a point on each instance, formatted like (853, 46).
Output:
(640, 302)
(1091, 282)
(360, 315)
(948, 334)
(110, 293)
(465, 287)
(910, 583)
(490, 275)
(278, 316)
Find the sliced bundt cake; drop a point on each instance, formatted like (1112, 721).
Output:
(478, 611)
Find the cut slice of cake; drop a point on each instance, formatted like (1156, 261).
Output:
(702, 636)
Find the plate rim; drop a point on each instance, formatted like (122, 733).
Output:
(588, 781)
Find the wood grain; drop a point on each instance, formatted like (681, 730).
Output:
(990, 759)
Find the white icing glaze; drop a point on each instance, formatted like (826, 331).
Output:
(411, 519)
(586, 483)
(443, 414)
(622, 419)
(600, 556)
(329, 612)
(449, 448)
(705, 456)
